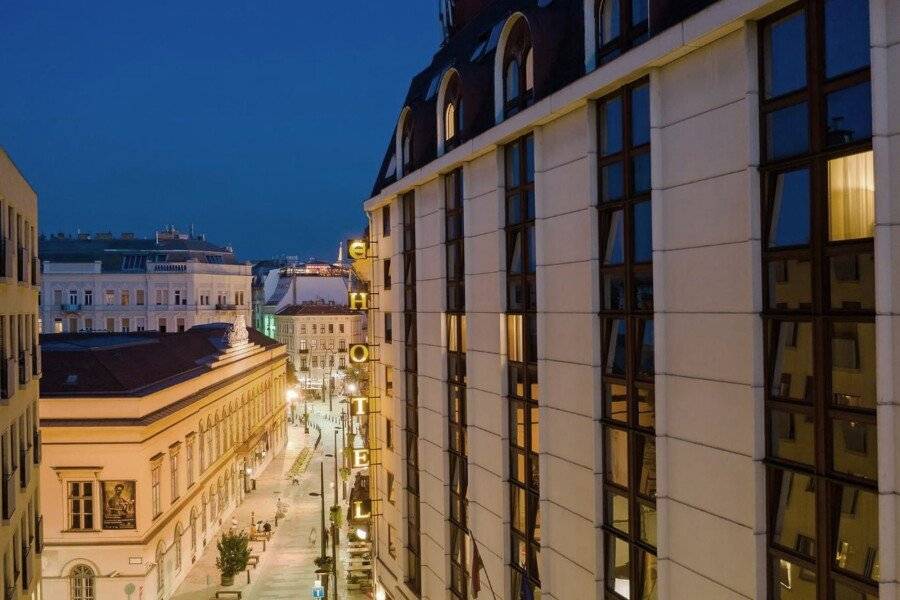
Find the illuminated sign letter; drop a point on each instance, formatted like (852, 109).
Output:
(360, 457)
(359, 301)
(359, 353)
(357, 249)
(360, 405)
(362, 509)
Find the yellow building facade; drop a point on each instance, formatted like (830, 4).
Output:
(20, 370)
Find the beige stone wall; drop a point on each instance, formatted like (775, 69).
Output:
(19, 281)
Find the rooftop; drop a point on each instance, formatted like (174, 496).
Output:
(315, 309)
(132, 364)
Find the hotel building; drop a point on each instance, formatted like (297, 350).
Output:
(636, 304)
(21, 538)
(122, 284)
(150, 441)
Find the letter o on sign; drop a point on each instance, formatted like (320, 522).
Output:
(359, 353)
(356, 249)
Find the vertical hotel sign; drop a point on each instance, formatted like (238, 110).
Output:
(362, 407)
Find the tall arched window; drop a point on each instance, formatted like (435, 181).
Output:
(160, 571)
(193, 527)
(621, 25)
(202, 447)
(203, 515)
(406, 141)
(81, 583)
(452, 113)
(210, 434)
(178, 535)
(518, 70)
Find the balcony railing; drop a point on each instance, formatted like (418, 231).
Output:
(23, 375)
(24, 468)
(22, 255)
(9, 495)
(38, 533)
(37, 447)
(27, 568)
(70, 307)
(226, 306)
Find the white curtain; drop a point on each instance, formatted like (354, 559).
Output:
(851, 197)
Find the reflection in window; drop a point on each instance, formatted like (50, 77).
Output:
(851, 197)
(785, 54)
(856, 540)
(614, 253)
(790, 209)
(790, 284)
(852, 281)
(787, 131)
(792, 436)
(854, 448)
(846, 36)
(792, 360)
(794, 520)
(618, 565)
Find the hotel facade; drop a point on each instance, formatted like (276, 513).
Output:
(150, 442)
(635, 303)
(21, 526)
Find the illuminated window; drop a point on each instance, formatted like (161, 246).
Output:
(818, 257)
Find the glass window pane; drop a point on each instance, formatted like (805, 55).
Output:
(854, 448)
(790, 209)
(853, 281)
(616, 402)
(618, 566)
(642, 283)
(512, 165)
(611, 126)
(785, 54)
(513, 210)
(648, 577)
(529, 158)
(610, 20)
(792, 370)
(640, 115)
(856, 542)
(616, 450)
(613, 291)
(643, 232)
(612, 183)
(614, 254)
(648, 523)
(791, 581)
(846, 36)
(787, 131)
(843, 591)
(646, 407)
(615, 349)
(849, 115)
(792, 436)
(851, 197)
(645, 359)
(646, 453)
(617, 511)
(790, 284)
(640, 171)
(638, 11)
(853, 364)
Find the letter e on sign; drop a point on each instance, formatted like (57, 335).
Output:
(360, 457)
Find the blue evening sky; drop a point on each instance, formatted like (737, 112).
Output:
(262, 123)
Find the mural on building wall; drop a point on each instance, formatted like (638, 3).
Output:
(119, 505)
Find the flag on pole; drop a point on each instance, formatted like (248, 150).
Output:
(477, 566)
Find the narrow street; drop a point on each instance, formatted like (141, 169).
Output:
(286, 569)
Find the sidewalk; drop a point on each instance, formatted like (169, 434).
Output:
(286, 569)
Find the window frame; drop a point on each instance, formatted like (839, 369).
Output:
(629, 36)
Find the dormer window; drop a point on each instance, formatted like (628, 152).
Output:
(406, 146)
(518, 70)
(452, 113)
(621, 25)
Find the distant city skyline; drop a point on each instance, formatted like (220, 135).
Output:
(244, 121)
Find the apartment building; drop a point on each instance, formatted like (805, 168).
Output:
(21, 527)
(121, 284)
(151, 440)
(318, 336)
(636, 296)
